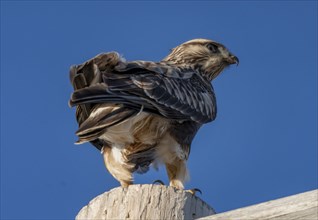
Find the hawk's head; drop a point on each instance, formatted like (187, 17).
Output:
(208, 56)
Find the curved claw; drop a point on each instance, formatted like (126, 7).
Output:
(158, 181)
(194, 190)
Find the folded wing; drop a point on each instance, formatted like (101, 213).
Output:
(175, 93)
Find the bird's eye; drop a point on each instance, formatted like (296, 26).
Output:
(212, 48)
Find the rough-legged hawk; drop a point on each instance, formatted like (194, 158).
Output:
(140, 113)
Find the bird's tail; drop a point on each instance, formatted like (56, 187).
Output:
(81, 77)
(92, 96)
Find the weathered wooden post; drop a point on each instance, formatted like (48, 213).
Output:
(302, 206)
(145, 202)
(164, 202)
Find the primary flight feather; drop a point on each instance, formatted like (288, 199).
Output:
(141, 112)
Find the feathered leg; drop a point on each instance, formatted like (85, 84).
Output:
(116, 168)
(177, 173)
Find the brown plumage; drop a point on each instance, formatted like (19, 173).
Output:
(141, 113)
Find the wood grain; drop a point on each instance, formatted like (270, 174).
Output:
(145, 202)
(303, 206)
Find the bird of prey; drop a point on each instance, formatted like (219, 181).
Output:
(139, 113)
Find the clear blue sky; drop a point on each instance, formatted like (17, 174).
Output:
(262, 146)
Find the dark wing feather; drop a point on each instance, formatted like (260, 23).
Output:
(175, 93)
(187, 97)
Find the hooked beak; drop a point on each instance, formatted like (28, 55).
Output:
(233, 60)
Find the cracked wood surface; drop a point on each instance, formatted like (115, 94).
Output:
(164, 202)
(145, 202)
